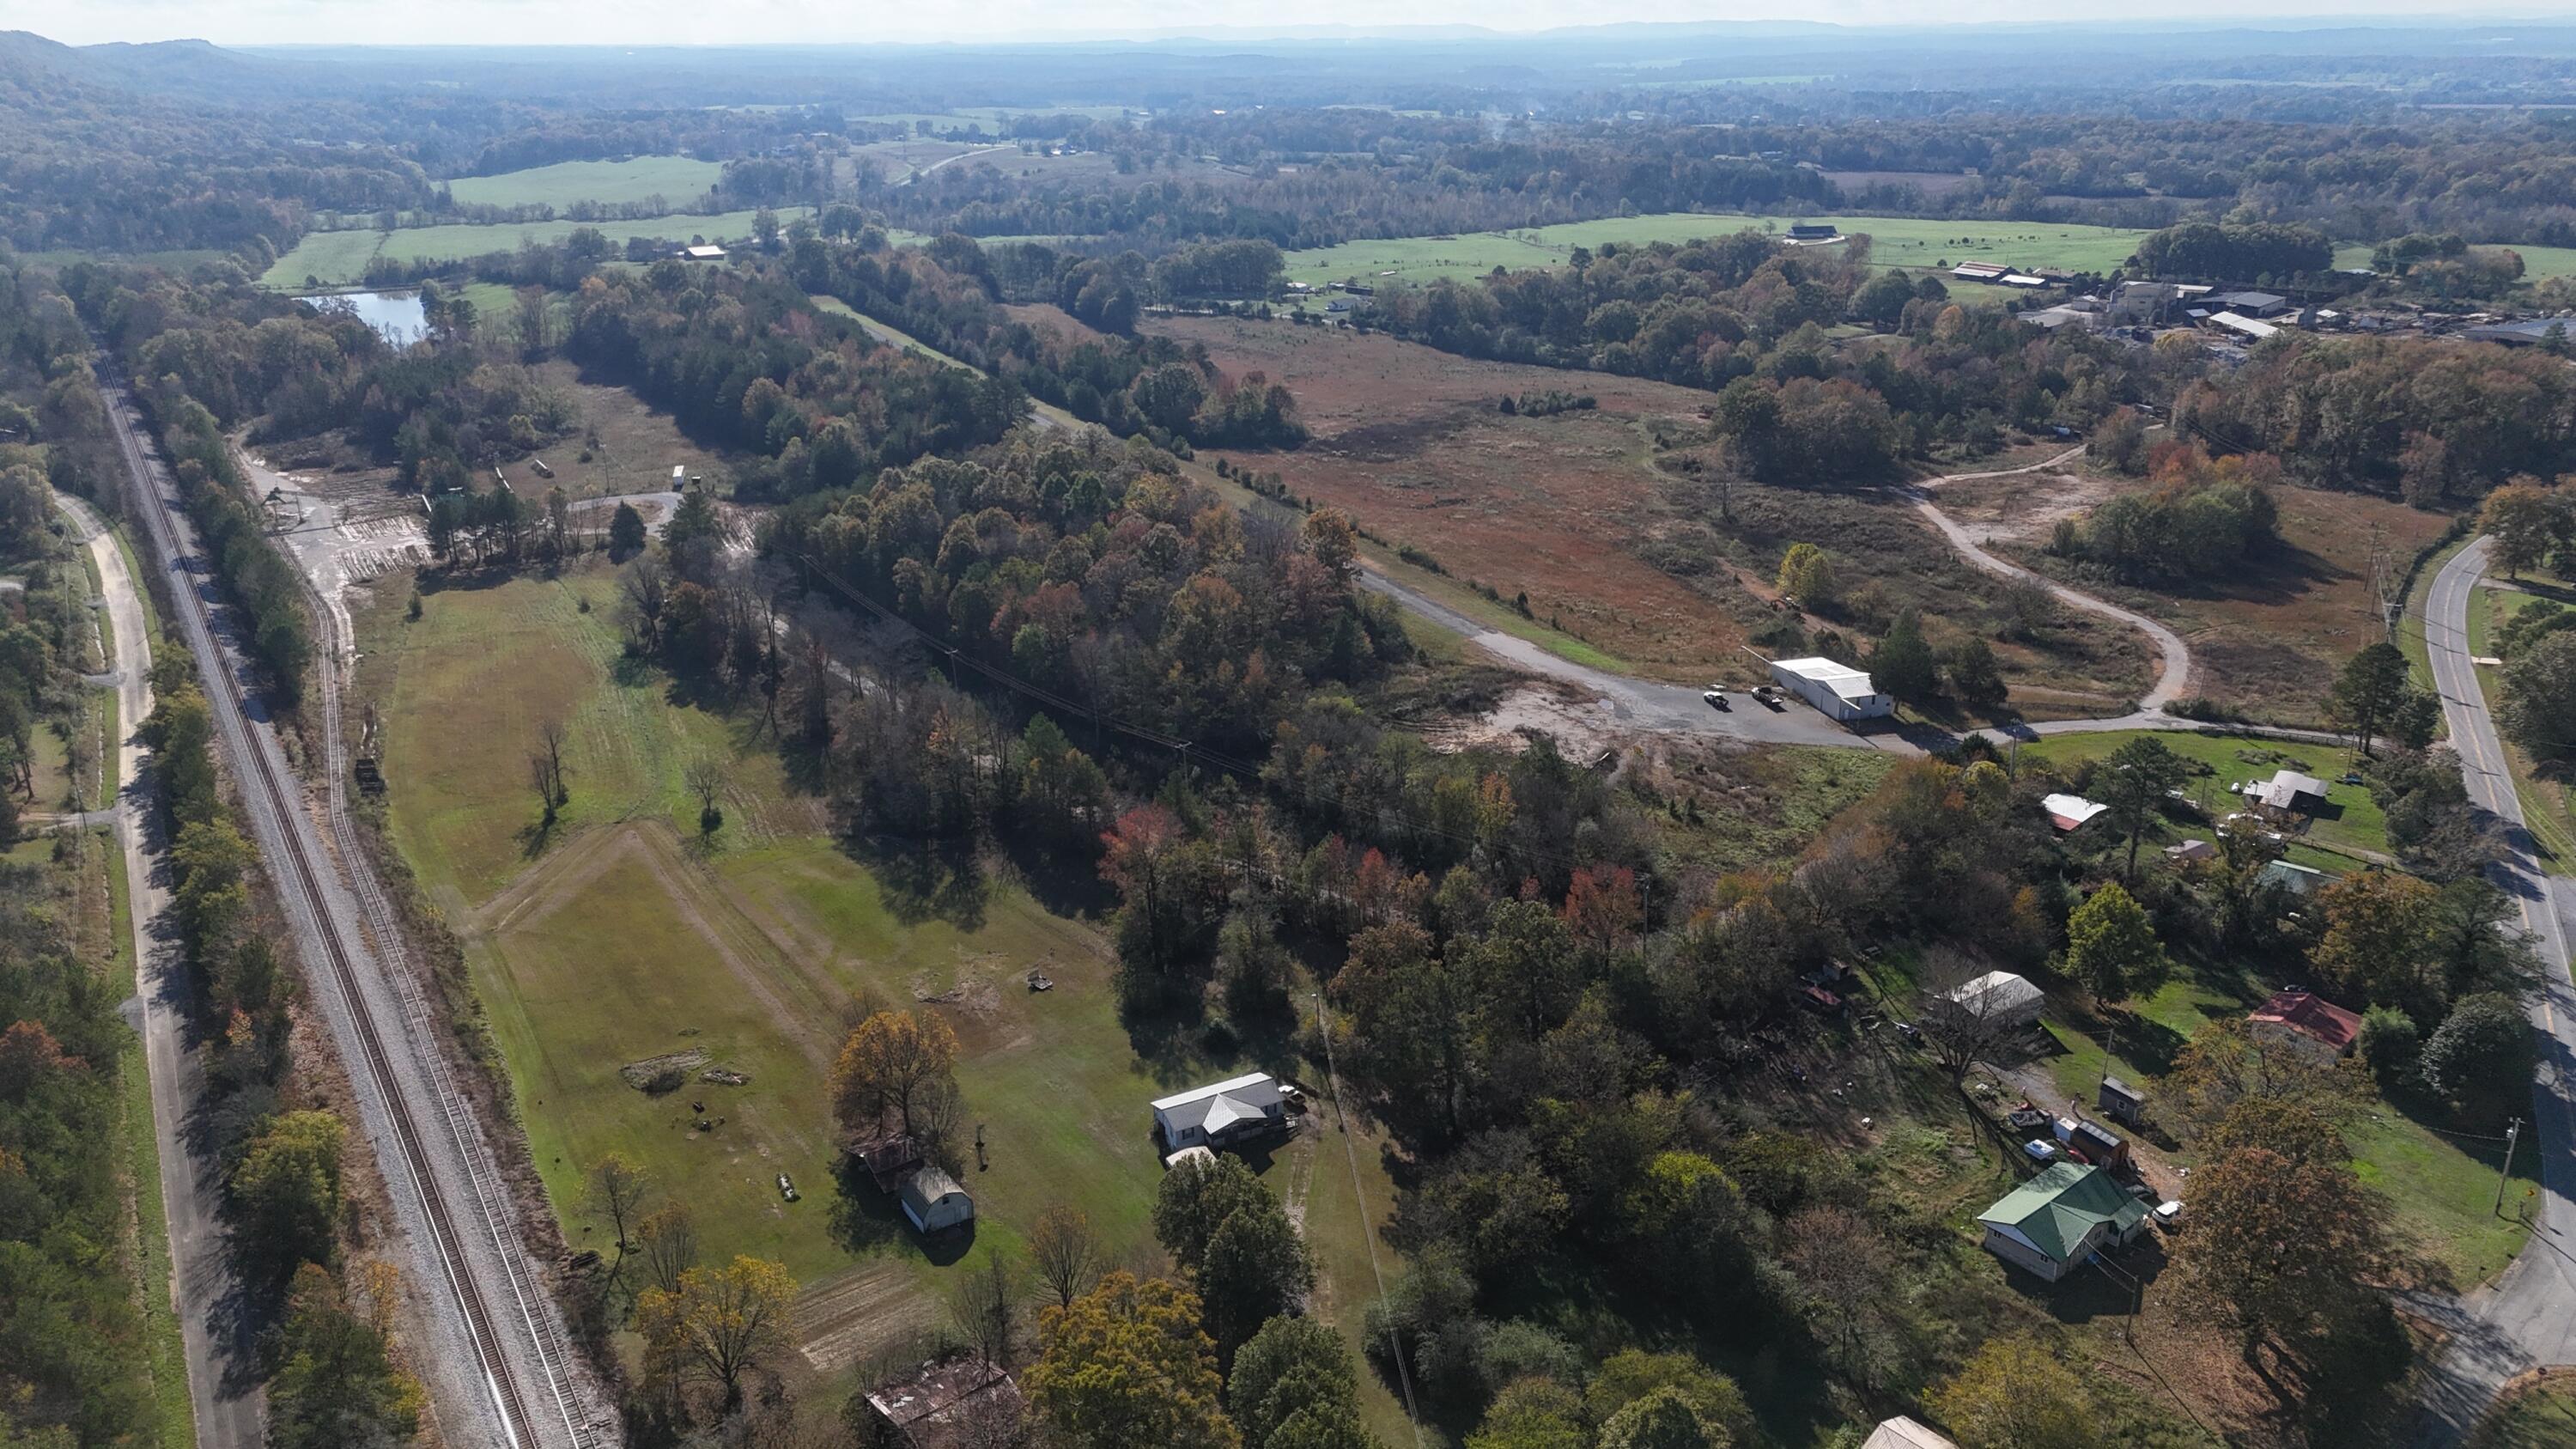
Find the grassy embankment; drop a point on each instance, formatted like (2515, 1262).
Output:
(2547, 808)
(623, 936)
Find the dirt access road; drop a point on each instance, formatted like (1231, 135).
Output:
(494, 1352)
(1630, 703)
(215, 1327)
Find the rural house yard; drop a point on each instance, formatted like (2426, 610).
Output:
(622, 944)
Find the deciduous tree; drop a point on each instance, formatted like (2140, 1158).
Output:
(336, 1384)
(2480, 1056)
(2378, 941)
(2538, 710)
(2524, 518)
(1126, 1364)
(2014, 1394)
(893, 1062)
(613, 1191)
(1064, 1253)
(717, 1327)
(2112, 948)
(2277, 1246)
(1807, 575)
(287, 1189)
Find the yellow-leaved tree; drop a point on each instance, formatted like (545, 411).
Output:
(717, 1326)
(1126, 1364)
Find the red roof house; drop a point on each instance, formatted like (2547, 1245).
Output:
(2305, 1017)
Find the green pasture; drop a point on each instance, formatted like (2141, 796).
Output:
(339, 258)
(678, 180)
(1895, 241)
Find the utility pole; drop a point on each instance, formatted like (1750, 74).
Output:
(2512, 1134)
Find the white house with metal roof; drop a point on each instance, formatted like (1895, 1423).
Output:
(1213, 1115)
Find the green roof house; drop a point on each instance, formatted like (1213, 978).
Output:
(2052, 1222)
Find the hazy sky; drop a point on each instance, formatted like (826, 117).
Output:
(398, 22)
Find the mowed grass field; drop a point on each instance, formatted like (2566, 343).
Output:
(2349, 828)
(2539, 264)
(339, 258)
(678, 180)
(623, 936)
(1896, 241)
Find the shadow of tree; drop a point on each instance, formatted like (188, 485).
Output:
(926, 880)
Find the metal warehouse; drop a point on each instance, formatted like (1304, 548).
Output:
(1839, 690)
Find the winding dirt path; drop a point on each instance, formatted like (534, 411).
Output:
(2173, 672)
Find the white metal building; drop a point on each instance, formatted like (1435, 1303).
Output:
(1841, 691)
(934, 1201)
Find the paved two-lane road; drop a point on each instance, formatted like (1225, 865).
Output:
(2527, 1317)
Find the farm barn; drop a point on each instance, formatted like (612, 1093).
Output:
(935, 1203)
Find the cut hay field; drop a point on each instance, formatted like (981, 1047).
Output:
(2265, 640)
(339, 258)
(625, 938)
(1896, 241)
(676, 180)
(1581, 511)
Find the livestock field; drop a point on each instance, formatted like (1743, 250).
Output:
(339, 258)
(1896, 241)
(678, 180)
(624, 950)
(1593, 514)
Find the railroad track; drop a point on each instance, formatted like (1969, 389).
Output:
(522, 1426)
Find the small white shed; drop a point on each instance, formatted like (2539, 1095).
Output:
(935, 1203)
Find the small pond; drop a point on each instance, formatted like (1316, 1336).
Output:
(395, 314)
